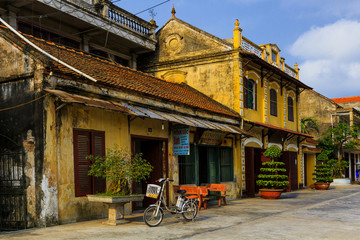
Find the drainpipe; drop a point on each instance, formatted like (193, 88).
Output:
(45, 53)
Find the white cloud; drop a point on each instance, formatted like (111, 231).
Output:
(331, 58)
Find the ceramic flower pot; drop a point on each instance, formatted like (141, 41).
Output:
(270, 194)
(322, 185)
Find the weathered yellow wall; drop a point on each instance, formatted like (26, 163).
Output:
(115, 126)
(310, 167)
(213, 78)
(316, 106)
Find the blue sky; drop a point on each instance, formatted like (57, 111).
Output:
(322, 36)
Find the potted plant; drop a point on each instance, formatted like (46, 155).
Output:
(272, 178)
(120, 169)
(323, 172)
(334, 142)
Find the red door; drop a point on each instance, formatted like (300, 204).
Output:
(154, 151)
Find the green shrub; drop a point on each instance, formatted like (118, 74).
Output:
(272, 172)
(120, 169)
(323, 168)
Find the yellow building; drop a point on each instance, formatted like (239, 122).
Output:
(250, 79)
(64, 108)
(328, 113)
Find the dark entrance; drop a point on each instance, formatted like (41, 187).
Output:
(253, 159)
(290, 160)
(13, 204)
(154, 150)
(206, 164)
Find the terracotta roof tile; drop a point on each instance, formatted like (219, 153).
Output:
(135, 82)
(346, 99)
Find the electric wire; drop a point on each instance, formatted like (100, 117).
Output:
(22, 104)
(152, 7)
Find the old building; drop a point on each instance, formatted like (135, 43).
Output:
(66, 92)
(63, 108)
(95, 26)
(328, 112)
(252, 80)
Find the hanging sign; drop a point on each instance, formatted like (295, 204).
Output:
(181, 145)
(212, 137)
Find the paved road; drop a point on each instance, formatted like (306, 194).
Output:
(303, 214)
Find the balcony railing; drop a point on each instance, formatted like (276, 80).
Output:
(118, 15)
(290, 71)
(253, 48)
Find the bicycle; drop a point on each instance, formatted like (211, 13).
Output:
(154, 214)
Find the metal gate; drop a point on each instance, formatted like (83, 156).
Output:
(12, 191)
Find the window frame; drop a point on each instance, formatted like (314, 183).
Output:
(290, 109)
(247, 93)
(273, 102)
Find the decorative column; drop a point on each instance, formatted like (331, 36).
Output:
(297, 69)
(238, 71)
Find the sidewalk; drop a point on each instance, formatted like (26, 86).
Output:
(302, 214)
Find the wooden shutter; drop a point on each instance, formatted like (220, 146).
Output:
(226, 165)
(246, 93)
(290, 109)
(213, 165)
(255, 95)
(81, 164)
(273, 102)
(98, 149)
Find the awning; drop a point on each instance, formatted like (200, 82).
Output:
(280, 129)
(311, 149)
(147, 112)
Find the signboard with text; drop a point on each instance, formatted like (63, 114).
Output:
(181, 144)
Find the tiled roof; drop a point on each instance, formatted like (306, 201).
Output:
(113, 75)
(346, 99)
(282, 129)
(312, 141)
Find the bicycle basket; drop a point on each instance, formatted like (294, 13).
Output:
(152, 190)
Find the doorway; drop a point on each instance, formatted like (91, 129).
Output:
(154, 150)
(253, 160)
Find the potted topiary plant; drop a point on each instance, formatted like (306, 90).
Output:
(272, 178)
(120, 169)
(323, 172)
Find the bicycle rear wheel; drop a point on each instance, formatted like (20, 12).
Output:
(150, 217)
(189, 210)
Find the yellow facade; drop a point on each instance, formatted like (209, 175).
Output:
(218, 68)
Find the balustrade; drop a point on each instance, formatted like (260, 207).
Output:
(290, 71)
(118, 15)
(250, 47)
(253, 48)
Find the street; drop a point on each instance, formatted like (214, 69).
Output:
(302, 214)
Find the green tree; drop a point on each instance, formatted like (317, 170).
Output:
(323, 170)
(308, 125)
(120, 169)
(335, 141)
(272, 173)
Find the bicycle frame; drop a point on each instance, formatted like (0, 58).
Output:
(185, 206)
(161, 200)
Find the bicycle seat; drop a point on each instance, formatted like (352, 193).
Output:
(182, 192)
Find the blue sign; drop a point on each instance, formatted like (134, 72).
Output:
(181, 144)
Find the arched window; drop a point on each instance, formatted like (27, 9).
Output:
(290, 109)
(273, 102)
(249, 93)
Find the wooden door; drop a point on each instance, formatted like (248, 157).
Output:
(213, 165)
(250, 171)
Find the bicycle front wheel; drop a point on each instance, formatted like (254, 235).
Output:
(150, 217)
(189, 210)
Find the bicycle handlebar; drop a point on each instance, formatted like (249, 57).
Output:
(164, 179)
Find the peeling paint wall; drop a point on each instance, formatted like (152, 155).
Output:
(320, 109)
(115, 125)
